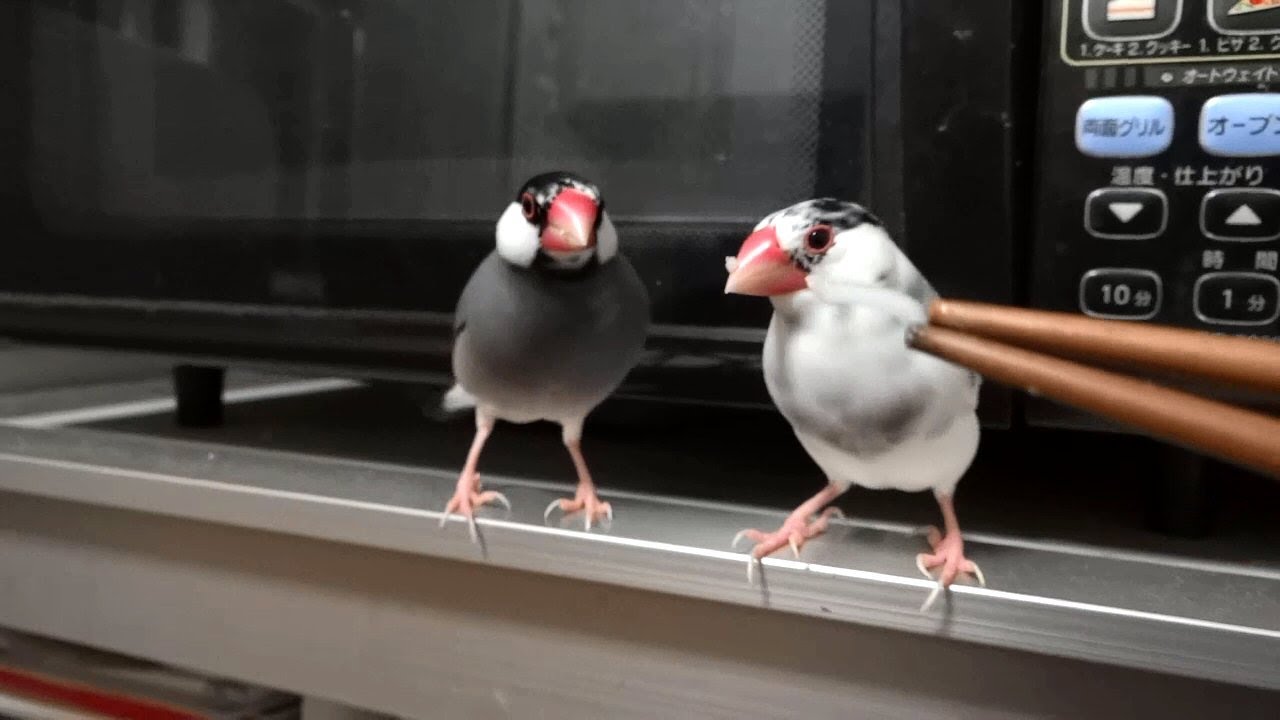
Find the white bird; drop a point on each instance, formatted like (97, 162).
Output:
(868, 409)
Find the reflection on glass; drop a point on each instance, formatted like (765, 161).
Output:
(399, 109)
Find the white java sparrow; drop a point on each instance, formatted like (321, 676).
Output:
(548, 326)
(868, 409)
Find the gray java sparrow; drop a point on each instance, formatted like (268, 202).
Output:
(548, 326)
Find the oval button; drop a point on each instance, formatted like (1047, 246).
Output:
(1243, 125)
(1120, 293)
(1237, 298)
(1128, 126)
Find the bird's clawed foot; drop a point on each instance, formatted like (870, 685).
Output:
(466, 498)
(795, 531)
(948, 554)
(586, 501)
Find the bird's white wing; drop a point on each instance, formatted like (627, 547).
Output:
(894, 302)
(875, 407)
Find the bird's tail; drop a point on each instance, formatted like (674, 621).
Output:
(453, 402)
(457, 399)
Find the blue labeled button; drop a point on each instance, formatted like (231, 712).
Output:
(1245, 125)
(1127, 126)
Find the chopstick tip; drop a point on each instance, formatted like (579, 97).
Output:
(939, 309)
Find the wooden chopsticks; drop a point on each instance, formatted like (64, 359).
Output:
(1011, 346)
(1240, 361)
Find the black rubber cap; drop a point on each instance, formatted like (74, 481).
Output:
(199, 393)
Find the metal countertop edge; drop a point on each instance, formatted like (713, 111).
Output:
(1098, 633)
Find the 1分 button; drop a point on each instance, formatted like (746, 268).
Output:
(1128, 126)
(1122, 293)
(1241, 214)
(1125, 213)
(1237, 298)
(1243, 125)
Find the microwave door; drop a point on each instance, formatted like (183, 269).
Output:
(683, 109)
(432, 110)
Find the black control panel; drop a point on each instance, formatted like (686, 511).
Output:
(1158, 162)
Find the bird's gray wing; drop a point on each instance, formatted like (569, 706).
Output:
(484, 280)
(483, 310)
(458, 397)
(868, 429)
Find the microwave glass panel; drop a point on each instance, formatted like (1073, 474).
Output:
(688, 110)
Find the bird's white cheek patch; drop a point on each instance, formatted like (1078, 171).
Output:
(606, 239)
(517, 239)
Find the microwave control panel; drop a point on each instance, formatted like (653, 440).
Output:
(1158, 163)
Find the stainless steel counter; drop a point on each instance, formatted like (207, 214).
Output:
(73, 500)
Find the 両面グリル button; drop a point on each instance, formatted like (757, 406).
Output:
(1128, 126)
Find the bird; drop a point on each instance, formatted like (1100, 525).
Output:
(867, 408)
(547, 327)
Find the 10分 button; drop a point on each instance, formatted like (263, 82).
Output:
(1128, 126)
(1120, 293)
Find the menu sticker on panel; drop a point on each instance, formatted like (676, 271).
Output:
(1130, 19)
(1127, 33)
(1245, 17)
(1125, 10)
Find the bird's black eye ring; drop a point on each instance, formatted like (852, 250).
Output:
(818, 239)
(528, 206)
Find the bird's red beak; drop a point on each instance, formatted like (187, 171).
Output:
(763, 268)
(571, 222)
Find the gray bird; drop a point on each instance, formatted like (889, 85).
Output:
(869, 409)
(547, 327)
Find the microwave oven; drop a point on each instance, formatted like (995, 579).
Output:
(310, 182)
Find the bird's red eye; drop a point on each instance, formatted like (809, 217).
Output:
(528, 206)
(818, 239)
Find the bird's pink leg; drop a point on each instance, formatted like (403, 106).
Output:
(797, 528)
(585, 498)
(948, 552)
(467, 496)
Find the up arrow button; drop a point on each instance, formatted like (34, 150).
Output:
(1241, 214)
(1244, 215)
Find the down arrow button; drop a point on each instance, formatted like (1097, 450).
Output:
(1126, 213)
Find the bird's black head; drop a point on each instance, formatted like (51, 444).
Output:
(558, 219)
(839, 215)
